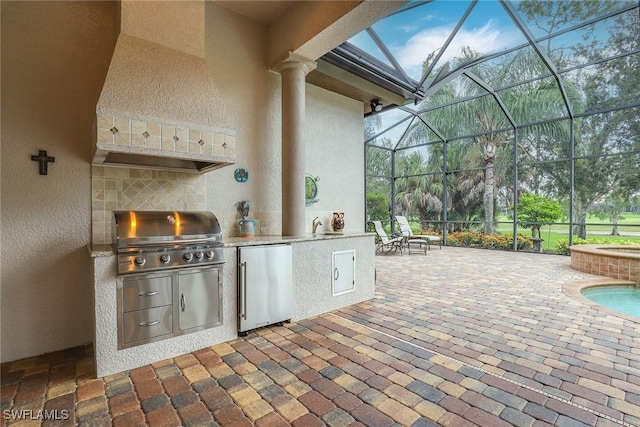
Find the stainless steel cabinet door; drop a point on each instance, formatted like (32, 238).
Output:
(146, 291)
(199, 298)
(265, 285)
(145, 324)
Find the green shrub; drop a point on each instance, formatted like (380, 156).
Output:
(377, 206)
(562, 247)
(487, 241)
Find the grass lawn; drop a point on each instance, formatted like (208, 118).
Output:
(629, 227)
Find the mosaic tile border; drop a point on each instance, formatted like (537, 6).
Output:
(128, 132)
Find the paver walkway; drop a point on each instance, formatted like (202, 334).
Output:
(459, 337)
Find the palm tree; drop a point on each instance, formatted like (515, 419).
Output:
(483, 116)
(420, 190)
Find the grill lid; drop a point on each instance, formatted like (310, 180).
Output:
(140, 228)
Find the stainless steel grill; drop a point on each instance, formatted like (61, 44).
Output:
(161, 240)
(169, 274)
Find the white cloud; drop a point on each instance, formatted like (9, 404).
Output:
(410, 28)
(485, 39)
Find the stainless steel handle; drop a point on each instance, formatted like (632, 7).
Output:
(336, 274)
(148, 323)
(183, 302)
(148, 294)
(243, 290)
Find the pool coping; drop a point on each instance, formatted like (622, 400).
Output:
(574, 290)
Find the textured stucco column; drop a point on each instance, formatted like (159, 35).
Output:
(293, 69)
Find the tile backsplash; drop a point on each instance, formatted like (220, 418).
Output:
(120, 188)
(115, 188)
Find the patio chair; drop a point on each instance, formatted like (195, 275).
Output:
(408, 234)
(384, 242)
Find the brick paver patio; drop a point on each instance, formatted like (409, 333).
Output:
(458, 337)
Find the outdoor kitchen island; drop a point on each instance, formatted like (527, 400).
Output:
(316, 290)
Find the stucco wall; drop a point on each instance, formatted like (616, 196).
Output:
(335, 154)
(54, 59)
(252, 96)
(333, 133)
(55, 56)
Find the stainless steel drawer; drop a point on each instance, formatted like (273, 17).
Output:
(149, 323)
(145, 292)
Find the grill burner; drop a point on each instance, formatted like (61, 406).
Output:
(160, 240)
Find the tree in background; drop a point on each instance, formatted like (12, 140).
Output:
(603, 96)
(378, 170)
(377, 207)
(483, 117)
(534, 211)
(606, 144)
(612, 210)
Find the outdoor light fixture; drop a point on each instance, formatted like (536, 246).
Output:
(376, 105)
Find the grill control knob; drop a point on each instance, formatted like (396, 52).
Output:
(199, 255)
(188, 256)
(165, 258)
(209, 254)
(139, 261)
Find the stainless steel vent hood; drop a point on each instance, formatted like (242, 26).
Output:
(159, 106)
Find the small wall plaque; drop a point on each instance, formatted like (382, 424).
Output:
(241, 175)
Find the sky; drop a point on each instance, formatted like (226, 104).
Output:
(412, 35)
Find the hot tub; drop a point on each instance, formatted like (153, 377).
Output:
(616, 261)
(622, 298)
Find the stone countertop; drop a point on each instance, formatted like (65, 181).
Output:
(232, 242)
(101, 250)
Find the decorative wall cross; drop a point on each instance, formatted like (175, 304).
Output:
(44, 160)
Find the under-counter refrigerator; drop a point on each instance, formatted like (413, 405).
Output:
(265, 285)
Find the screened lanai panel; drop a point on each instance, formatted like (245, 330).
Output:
(604, 86)
(487, 29)
(549, 179)
(608, 133)
(418, 133)
(596, 178)
(601, 177)
(544, 142)
(613, 181)
(471, 117)
(378, 199)
(420, 160)
(534, 101)
(412, 35)
(600, 40)
(512, 68)
(549, 17)
(464, 193)
(386, 129)
(363, 41)
(419, 197)
(459, 88)
(378, 162)
(477, 152)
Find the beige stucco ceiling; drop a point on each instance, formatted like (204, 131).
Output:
(262, 11)
(268, 12)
